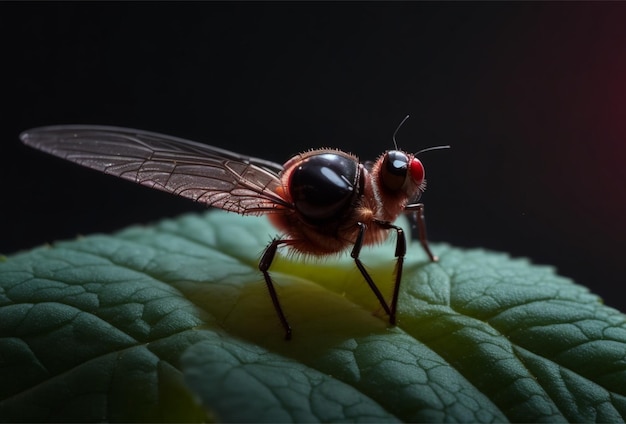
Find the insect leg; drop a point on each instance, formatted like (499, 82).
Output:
(400, 253)
(356, 250)
(264, 264)
(417, 210)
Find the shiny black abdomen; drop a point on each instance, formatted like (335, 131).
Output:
(324, 185)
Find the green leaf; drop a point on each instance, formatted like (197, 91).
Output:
(172, 322)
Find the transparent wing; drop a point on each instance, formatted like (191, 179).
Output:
(206, 174)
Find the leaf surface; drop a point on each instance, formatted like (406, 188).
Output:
(172, 322)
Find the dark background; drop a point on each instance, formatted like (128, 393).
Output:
(532, 97)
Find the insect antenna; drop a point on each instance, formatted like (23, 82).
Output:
(395, 144)
(447, 146)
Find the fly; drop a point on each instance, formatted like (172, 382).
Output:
(324, 201)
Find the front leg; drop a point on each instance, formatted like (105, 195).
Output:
(417, 210)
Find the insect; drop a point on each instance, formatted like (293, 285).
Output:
(323, 201)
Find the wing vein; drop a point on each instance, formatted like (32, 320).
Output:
(203, 173)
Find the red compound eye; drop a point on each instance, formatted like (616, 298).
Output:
(417, 171)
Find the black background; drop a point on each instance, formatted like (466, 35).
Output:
(532, 97)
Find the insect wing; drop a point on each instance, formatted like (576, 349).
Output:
(206, 174)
